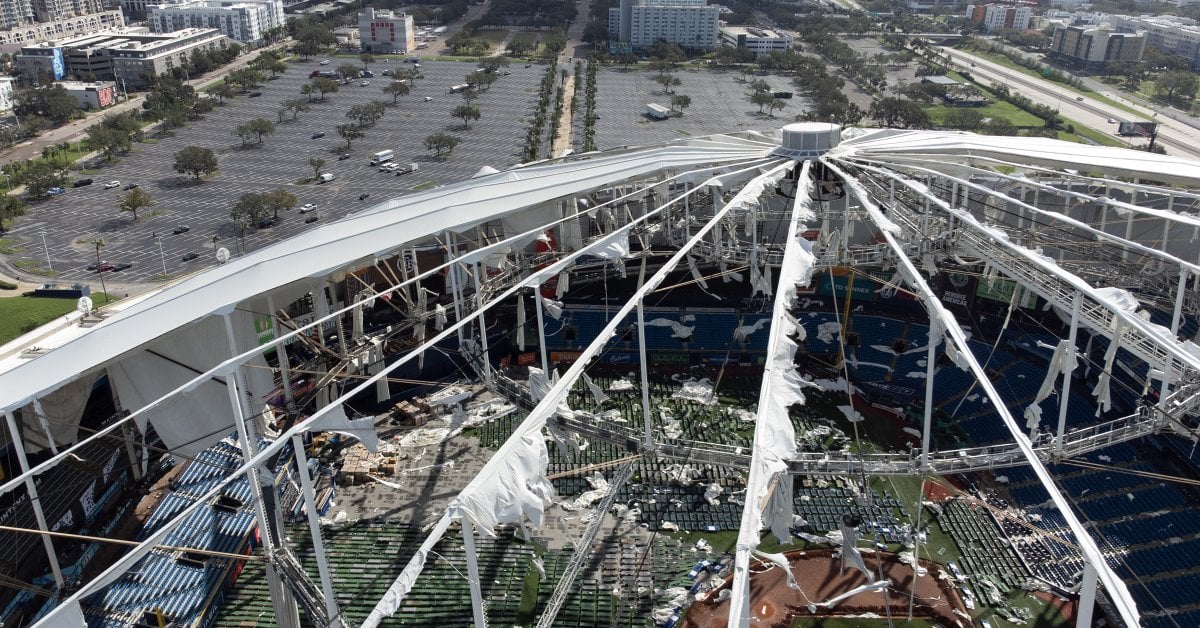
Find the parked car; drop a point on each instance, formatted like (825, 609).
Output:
(95, 266)
(55, 191)
(324, 61)
(123, 266)
(131, 186)
(507, 73)
(364, 83)
(307, 207)
(181, 229)
(112, 184)
(190, 256)
(267, 222)
(343, 156)
(82, 182)
(255, 94)
(104, 267)
(311, 219)
(318, 135)
(428, 98)
(363, 196)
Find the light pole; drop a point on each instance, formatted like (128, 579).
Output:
(46, 247)
(161, 255)
(103, 289)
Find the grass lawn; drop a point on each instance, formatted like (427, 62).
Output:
(20, 315)
(493, 38)
(1009, 63)
(998, 109)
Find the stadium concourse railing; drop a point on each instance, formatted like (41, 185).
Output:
(839, 463)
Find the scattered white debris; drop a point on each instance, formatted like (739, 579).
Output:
(1103, 458)
(1130, 496)
(702, 546)
(621, 385)
(711, 493)
(600, 488)
(669, 526)
(676, 597)
(391, 485)
(827, 331)
(1003, 479)
(698, 391)
(853, 415)
(427, 436)
(913, 431)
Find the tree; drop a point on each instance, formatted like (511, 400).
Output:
(107, 140)
(295, 106)
(39, 177)
(467, 113)
(662, 66)
(134, 200)
(348, 70)
(10, 208)
(250, 208)
(494, 64)
(245, 132)
(316, 163)
(196, 161)
(307, 90)
(776, 103)
(667, 81)
(1177, 87)
(366, 58)
(349, 132)
(260, 127)
(683, 101)
(53, 103)
(760, 86)
(170, 101)
(963, 119)
(279, 200)
(396, 89)
(439, 142)
(325, 86)
(481, 79)
(595, 32)
(1000, 126)
(899, 112)
(762, 99)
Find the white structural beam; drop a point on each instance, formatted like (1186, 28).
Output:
(941, 316)
(19, 444)
(769, 485)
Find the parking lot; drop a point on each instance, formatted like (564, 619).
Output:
(719, 105)
(72, 221)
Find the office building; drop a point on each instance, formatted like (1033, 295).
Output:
(243, 21)
(758, 40)
(117, 56)
(92, 94)
(386, 31)
(1091, 47)
(64, 28)
(996, 17)
(1173, 35)
(686, 23)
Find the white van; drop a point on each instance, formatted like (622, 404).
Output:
(325, 177)
(382, 156)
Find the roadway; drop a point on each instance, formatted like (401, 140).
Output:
(1177, 137)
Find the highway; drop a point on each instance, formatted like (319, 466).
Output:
(1176, 137)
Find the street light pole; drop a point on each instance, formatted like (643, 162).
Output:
(44, 246)
(103, 289)
(161, 255)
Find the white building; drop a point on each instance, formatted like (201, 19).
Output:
(686, 23)
(1179, 36)
(65, 28)
(92, 95)
(995, 17)
(6, 93)
(758, 40)
(125, 56)
(243, 20)
(385, 31)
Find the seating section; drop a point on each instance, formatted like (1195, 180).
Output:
(180, 585)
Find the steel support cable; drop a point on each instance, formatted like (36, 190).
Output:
(583, 547)
(1078, 224)
(1051, 277)
(1091, 551)
(272, 448)
(229, 364)
(1185, 219)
